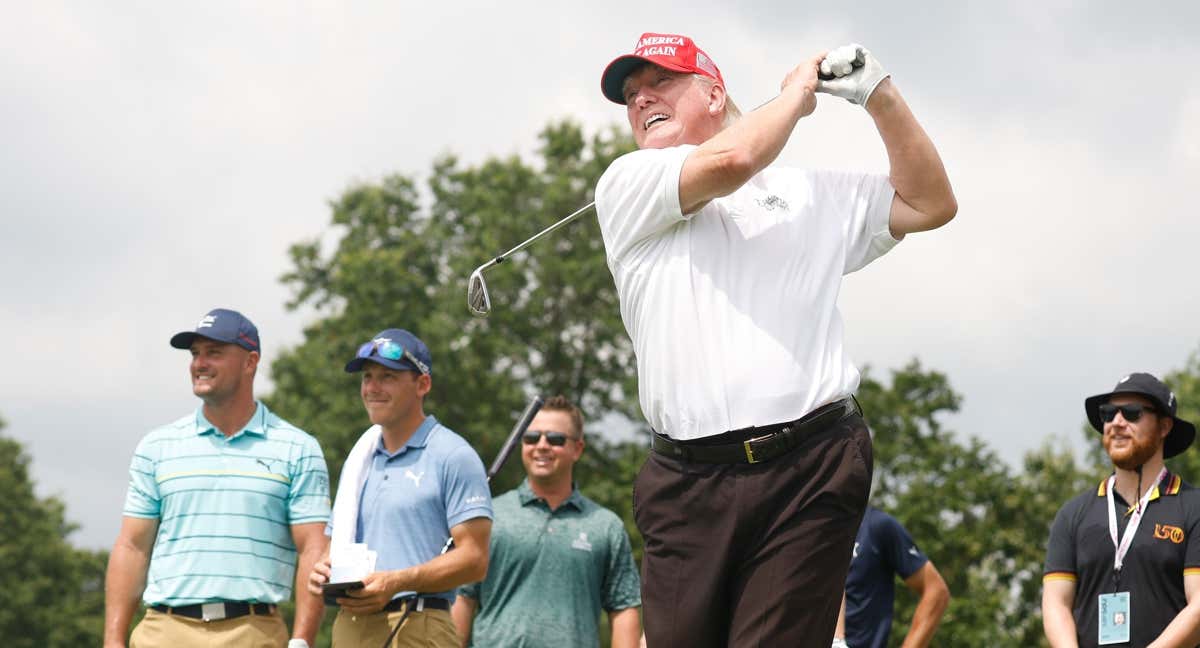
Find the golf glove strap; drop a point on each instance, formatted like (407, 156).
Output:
(297, 643)
(854, 84)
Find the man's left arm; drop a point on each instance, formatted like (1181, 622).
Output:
(927, 583)
(311, 545)
(626, 627)
(924, 199)
(1184, 629)
(467, 563)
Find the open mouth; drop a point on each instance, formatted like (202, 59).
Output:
(654, 119)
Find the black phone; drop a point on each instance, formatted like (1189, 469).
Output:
(338, 590)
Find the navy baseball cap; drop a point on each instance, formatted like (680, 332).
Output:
(395, 349)
(222, 325)
(1143, 384)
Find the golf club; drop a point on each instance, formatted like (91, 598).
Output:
(523, 422)
(478, 300)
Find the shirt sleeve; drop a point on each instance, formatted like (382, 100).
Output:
(464, 483)
(142, 499)
(638, 196)
(622, 586)
(1060, 548)
(470, 590)
(863, 203)
(902, 553)
(308, 497)
(1191, 561)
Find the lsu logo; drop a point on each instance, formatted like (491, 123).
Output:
(1168, 532)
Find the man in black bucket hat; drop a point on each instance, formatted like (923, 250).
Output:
(1123, 559)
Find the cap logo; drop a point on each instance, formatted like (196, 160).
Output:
(644, 46)
(1171, 399)
(656, 51)
(1125, 379)
(207, 321)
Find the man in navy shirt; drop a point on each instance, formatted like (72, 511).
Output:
(1123, 558)
(882, 548)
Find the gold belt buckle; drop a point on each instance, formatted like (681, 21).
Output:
(750, 450)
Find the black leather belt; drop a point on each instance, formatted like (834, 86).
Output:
(217, 610)
(761, 443)
(418, 603)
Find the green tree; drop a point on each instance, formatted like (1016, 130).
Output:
(403, 260)
(983, 527)
(51, 594)
(555, 327)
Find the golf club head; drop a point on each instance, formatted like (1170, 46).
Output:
(478, 300)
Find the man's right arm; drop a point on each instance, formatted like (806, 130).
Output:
(1058, 597)
(725, 162)
(126, 576)
(1058, 581)
(463, 613)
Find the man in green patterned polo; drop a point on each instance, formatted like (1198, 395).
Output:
(557, 557)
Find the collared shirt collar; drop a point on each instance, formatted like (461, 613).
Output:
(257, 425)
(1168, 486)
(527, 497)
(418, 439)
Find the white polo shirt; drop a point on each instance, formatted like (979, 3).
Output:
(733, 310)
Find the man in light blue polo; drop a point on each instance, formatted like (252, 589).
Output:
(224, 514)
(407, 486)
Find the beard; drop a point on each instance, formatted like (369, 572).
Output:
(1136, 454)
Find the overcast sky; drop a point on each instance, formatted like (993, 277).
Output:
(157, 160)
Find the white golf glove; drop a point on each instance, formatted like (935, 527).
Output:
(850, 82)
(297, 643)
(838, 642)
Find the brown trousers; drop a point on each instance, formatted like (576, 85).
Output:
(752, 555)
(162, 630)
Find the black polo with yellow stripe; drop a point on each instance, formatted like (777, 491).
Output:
(1165, 548)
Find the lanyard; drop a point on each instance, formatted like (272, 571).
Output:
(1122, 547)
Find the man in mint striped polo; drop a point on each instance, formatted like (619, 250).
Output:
(557, 557)
(225, 512)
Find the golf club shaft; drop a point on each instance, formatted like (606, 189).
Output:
(568, 219)
(514, 437)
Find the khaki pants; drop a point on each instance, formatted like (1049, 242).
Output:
(162, 630)
(425, 629)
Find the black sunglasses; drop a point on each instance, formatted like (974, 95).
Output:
(1131, 413)
(553, 438)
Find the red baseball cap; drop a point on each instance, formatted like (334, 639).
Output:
(671, 51)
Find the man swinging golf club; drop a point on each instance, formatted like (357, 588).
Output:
(728, 270)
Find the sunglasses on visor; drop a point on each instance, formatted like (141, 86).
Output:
(391, 351)
(1131, 413)
(553, 438)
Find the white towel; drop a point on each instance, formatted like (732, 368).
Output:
(350, 485)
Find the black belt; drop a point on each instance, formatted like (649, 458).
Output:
(418, 603)
(764, 443)
(217, 610)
